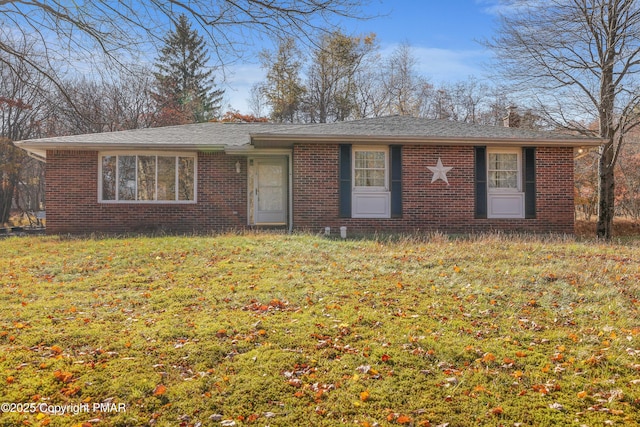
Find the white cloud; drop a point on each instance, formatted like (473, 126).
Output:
(501, 7)
(445, 65)
(238, 83)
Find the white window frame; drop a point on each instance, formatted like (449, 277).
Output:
(518, 153)
(506, 203)
(371, 201)
(175, 154)
(376, 149)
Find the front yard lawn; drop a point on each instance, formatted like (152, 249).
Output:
(264, 329)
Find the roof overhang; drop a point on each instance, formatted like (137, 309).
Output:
(275, 140)
(39, 150)
(243, 138)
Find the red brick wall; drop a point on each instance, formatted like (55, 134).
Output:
(73, 207)
(427, 206)
(315, 186)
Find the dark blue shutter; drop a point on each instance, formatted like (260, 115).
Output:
(481, 182)
(529, 161)
(345, 181)
(396, 180)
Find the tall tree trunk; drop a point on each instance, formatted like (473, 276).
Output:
(607, 130)
(6, 199)
(606, 194)
(584, 57)
(9, 168)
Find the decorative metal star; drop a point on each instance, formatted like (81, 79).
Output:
(439, 172)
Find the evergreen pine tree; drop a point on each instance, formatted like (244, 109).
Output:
(185, 88)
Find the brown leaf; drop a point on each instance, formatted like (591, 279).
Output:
(497, 410)
(159, 390)
(63, 376)
(403, 419)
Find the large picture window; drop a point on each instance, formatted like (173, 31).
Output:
(147, 178)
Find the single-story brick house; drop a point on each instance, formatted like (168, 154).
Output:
(389, 174)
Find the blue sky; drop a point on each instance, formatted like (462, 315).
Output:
(444, 36)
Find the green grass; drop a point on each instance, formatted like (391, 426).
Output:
(296, 330)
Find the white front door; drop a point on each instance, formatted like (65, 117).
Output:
(270, 191)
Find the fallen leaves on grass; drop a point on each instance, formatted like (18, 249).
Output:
(315, 334)
(63, 376)
(272, 306)
(399, 418)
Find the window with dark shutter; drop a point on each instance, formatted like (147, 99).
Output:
(480, 182)
(529, 160)
(396, 180)
(345, 180)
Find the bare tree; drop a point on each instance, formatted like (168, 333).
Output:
(468, 99)
(256, 101)
(77, 32)
(580, 60)
(628, 182)
(496, 103)
(331, 78)
(114, 102)
(405, 90)
(9, 173)
(23, 110)
(369, 91)
(586, 184)
(23, 92)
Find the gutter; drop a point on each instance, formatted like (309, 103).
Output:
(37, 156)
(39, 150)
(274, 140)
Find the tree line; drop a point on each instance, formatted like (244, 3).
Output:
(346, 77)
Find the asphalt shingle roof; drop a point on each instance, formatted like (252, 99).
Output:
(208, 134)
(406, 126)
(227, 136)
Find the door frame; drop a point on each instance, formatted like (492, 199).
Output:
(252, 186)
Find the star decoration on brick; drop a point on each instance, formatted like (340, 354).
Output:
(439, 172)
